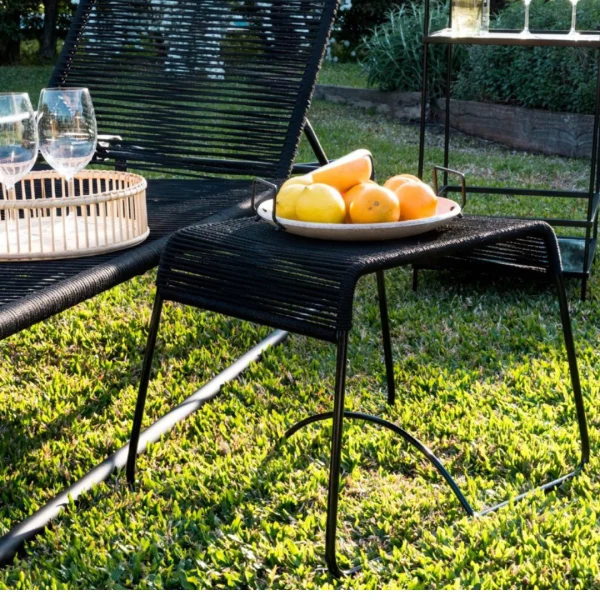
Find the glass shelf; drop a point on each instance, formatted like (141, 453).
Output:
(586, 39)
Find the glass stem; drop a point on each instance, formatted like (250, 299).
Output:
(526, 29)
(574, 20)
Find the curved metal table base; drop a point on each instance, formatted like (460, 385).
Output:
(432, 458)
(413, 441)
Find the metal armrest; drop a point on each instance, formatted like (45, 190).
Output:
(105, 141)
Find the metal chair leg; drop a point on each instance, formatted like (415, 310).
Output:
(336, 456)
(573, 369)
(387, 343)
(143, 389)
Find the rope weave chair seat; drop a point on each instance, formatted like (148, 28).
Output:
(202, 91)
(33, 291)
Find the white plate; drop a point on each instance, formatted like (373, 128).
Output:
(446, 209)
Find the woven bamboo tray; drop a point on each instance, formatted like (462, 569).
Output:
(45, 217)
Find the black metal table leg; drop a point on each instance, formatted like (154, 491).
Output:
(336, 455)
(387, 342)
(143, 389)
(573, 369)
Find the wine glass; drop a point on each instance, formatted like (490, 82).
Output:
(67, 129)
(526, 31)
(573, 32)
(18, 139)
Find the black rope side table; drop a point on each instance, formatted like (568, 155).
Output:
(249, 270)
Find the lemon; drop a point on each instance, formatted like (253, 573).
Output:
(286, 201)
(320, 203)
(301, 180)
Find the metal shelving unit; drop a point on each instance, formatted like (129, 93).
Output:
(577, 251)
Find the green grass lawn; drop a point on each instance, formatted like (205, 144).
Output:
(481, 376)
(347, 74)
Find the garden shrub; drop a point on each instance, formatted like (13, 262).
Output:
(558, 79)
(393, 53)
(355, 19)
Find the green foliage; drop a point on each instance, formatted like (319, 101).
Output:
(355, 19)
(558, 79)
(21, 25)
(393, 53)
(481, 377)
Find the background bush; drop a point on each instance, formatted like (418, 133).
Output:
(559, 79)
(393, 53)
(354, 20)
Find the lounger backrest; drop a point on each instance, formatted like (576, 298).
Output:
(219, 87)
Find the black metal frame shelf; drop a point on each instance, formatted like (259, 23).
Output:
(578, 252)
(511, 37)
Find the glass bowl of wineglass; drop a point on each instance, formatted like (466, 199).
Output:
(67, 129)
(18, 140)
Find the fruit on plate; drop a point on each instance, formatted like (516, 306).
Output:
(393, 183)
(374, 204)
(355, 191)
(286, 201)
(417, 201)
(346, 172)
(300, 180)
(320, 203)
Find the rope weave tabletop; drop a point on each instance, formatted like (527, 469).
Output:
(250, 270)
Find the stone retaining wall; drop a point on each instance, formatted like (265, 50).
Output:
(547, 132)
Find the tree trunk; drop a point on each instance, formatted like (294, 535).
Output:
(49, 35)
(10, 46)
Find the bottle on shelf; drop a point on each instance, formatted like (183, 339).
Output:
(468, 17)
(485, 17)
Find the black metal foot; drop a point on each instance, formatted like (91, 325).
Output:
(387, 342)
(143, 390)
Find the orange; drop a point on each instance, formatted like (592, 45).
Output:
(320, 203)
(418, 201)
(355, 191)
(374, 204)
(346, 172)
(393, 183)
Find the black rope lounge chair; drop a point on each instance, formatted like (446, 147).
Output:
(204, 96)
(191, 90)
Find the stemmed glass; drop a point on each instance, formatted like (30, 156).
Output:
(67, 129)
(573, 32)
(526, 31)
(18, 140)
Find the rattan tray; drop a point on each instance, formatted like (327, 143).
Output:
(46, 218)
